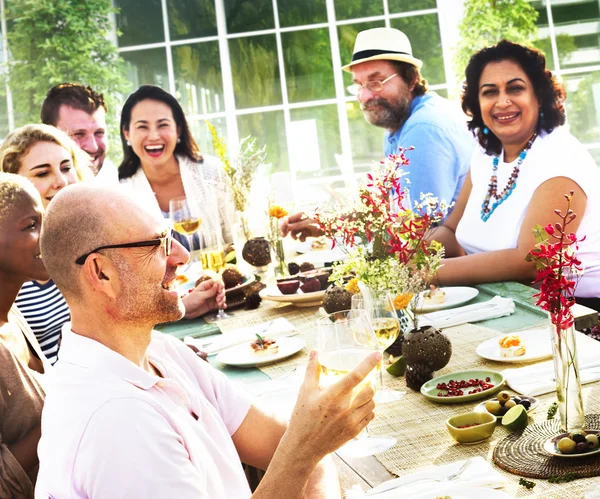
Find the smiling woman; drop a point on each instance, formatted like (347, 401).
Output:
(526, 164)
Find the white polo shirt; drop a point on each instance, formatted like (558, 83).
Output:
(112, 430)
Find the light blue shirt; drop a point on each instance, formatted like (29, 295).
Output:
(443, 147)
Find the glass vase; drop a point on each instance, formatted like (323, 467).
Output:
(280, 266)
(568, 383)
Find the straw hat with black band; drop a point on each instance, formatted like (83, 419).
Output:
(382, 44)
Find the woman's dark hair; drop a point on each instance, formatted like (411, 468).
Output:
(187, 145)
(549, 92)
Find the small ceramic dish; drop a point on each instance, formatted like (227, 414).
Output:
(472, 427)
(435, 394)
(532, 401)
(550, 446)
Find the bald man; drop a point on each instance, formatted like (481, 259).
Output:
(131, 412)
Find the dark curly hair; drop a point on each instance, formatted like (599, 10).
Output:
(549, 92)
(410, 73)
(187, 145)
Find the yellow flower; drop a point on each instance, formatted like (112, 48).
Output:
(352, 286)
(277, 211)
(401, 301)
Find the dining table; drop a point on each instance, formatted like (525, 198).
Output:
(417, 423)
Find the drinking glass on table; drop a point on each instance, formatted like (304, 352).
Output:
(185, 221)
(213, 257)
(344, 339)
(384, 319)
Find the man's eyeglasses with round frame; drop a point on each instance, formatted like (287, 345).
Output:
(374, 86)
(166, 241)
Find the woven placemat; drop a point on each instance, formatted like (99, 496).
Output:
(522, 453)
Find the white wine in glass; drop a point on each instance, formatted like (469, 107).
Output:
(344, 340)
(187, 227)
(185, 221)
(213, 259)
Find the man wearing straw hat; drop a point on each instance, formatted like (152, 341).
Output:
(393, 95)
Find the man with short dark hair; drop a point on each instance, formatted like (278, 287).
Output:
(131, 412)
(81, 112)
(393, 95)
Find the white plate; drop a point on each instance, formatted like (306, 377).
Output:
(299, 298)
(455, 296)
(306, 246)
(320, 257)
(246, 281)
(550, 446)
(464, 493)
(538, 347)
(242, 355)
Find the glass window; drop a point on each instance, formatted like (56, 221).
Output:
(314, 141)
(596, 155)
(140, 22)
(249, 15)
(202, 135)
(147, 67)
(309, 73)
(255, 68)
(577, 36)
(366, 139)
(191, 19)
(349, 9)
(269, 129)
(198, 80)
(295, 13)
(399, 6)
(583, 105)
(347, 36)
(543, 43)
(424, 35)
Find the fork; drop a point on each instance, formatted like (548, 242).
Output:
(398, 482)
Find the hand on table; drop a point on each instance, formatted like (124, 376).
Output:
(300, 226)
(325, 418)
(208, 295)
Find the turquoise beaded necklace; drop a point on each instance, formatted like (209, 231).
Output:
(486, 209)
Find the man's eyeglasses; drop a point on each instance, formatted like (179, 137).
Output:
(165, 241)
(372, 86)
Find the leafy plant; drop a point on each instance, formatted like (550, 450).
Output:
(528, 484)
(552, 411)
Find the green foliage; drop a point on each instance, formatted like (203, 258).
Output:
(528, 484)
(487, 22)
(552, 411)
(56, 41)
(566, 477)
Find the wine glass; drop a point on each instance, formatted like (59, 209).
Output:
(185, 221)
(384, 320)
(213, 258)
(344, 339)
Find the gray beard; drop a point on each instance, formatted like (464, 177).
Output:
(381, 113)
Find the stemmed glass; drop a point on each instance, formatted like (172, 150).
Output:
(384, 320)
(213, 258)
(185, 221)
(344, 339)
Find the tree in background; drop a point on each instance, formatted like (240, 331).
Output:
(58, 41)
(486, 22)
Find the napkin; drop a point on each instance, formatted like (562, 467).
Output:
(479, 473)
(272, 329)
(496, 307)
(538, 379)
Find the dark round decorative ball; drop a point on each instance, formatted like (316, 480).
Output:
(231, 277)
(293, 268)
(417, 375)
(257, 252)
(203, 278)
(427, 346)
(306, 266)
(337, 299)
(253, 301)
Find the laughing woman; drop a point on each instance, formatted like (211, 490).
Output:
(527, 162)
(21, 359)
(51, 161)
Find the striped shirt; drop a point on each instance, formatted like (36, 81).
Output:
(45, 310)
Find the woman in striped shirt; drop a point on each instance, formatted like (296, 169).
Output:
(51, 161)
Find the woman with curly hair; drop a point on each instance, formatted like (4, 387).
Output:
(526, 163)
(51, 161)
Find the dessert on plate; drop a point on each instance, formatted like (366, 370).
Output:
(264, 346)
(512, 346)
(434, 295)
(319, 243)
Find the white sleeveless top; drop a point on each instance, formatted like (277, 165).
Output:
(557, 154)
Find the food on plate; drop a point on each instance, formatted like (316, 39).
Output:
(231, 277)
(512, 346)
(311, 285)
(459, 388)
(264, 346)
(504, 402)
(577, 442)
(181, 279)
(288, 287)
(336, 299)
(435, 296)
(306, 266)
(293, 268)
(321, 274)
(319, 243)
